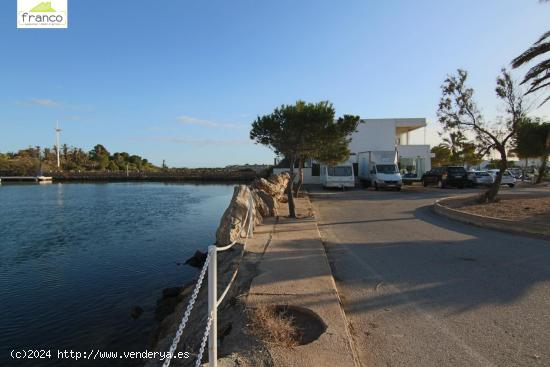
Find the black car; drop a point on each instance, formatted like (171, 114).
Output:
(446, 176)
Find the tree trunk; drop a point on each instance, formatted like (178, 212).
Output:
(290, 190)
(542, 168)
(490, 195)
(300, 178)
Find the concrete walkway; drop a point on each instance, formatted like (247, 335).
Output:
(294, 271)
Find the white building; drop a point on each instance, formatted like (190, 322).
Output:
(384, 135)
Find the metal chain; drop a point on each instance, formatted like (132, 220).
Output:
(203, 342)
(250, 219)
(187, 313)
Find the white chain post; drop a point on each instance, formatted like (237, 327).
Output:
(213, 307)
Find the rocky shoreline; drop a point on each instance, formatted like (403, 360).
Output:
(232, 314)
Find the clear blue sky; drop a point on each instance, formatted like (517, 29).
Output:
(182, 80)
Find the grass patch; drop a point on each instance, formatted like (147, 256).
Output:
(274, 326)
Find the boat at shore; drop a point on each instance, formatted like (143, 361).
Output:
(26, 179)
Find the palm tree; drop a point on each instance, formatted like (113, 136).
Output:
(454, 142)
(539, 75)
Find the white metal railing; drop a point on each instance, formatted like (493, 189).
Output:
(211, 263)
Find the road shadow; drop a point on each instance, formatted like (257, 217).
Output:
(407, 193)
(486, 267)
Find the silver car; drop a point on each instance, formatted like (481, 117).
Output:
(481, 178)
(507, 177)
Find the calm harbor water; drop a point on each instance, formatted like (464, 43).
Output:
(75, 259)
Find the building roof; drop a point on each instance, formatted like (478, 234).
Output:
(403, 125)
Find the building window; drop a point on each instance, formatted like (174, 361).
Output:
(315, 169)
(339, 171)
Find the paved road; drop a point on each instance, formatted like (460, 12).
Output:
(420, 290)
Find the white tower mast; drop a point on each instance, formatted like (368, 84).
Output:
(57, 132)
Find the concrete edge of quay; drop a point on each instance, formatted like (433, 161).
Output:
(504, 225)
(353, 346)
(295, 271)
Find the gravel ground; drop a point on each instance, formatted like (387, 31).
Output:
(535, 209)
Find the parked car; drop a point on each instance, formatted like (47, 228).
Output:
(480, 178)
(507, 177)
(446, 176)
(516, 172)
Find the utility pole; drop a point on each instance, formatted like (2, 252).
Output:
(39, 170)
(57, 133)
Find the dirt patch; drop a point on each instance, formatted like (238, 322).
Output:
(286, 326)
(532, 209)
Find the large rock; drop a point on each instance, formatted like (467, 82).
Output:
(232, 225)
(281, 179)
(275, 186)
(266, 195)
(262, 208)
(281, 183)
(258, 218)
(197, 260)
(267, 186)
(271, 204)
(136, 312)
(171, 297)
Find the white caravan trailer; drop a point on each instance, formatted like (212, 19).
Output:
(341, 175)
(379, 169)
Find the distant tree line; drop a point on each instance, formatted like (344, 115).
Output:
(36, 160)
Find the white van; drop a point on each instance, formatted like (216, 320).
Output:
(340, 176)
(385, 176)
(379, 169)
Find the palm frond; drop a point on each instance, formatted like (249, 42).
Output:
(535, 71)
(531, 53)
(544, 36)
(545, 100)
(535, 87)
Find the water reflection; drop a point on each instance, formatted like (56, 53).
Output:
(60, 194)
(75, 258)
